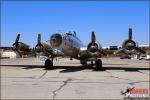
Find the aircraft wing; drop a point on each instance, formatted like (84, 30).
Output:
(40, 49)
(120, 51)
(7, 48)
(139, 50)
(134, 50)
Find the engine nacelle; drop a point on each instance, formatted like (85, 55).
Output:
(21, 46)
(129, 44)
(39, 48)
(93, 47)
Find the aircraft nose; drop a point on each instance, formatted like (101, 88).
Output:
(56, 40)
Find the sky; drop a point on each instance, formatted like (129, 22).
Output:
(109, 19)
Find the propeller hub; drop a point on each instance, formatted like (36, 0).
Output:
(93, 47)
(39, 48)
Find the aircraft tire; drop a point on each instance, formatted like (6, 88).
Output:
(83, 62)
(98, 64)
(92, 63)
(48, 64)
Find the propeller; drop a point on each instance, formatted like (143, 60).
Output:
(93, 46)
(129, 43)
(39, 46)
(129, 46)
(16, 44)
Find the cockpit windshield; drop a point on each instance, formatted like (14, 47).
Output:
(71, 33)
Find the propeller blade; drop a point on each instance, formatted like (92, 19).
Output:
(39, 47)
(93, 37)
(17, 38)
(120, 51)
(130, 33)
(16, 42)
(39, 39)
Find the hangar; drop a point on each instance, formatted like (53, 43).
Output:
(8, 54)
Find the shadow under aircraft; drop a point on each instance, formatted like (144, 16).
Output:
(80, 68)
(69, 45)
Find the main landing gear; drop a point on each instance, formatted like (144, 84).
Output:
(98, 64)
(48, 64)
(83, 62)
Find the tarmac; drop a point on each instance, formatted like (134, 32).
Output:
(25, 78)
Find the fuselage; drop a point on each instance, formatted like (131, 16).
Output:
(67, 44)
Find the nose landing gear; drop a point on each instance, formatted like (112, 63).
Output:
(48, 64)
(98, 64)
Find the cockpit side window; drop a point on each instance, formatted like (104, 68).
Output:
(69, 33)
(72, 33)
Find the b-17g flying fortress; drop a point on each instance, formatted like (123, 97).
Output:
(58, 65)
(69, 45)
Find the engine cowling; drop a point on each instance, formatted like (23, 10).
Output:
(39, 48)
(93, 47)
(21, 46)
(129, 44)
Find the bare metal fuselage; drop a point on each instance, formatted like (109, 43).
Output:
(70, 46)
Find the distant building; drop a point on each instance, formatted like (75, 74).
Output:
(9, 54)
(113, 47)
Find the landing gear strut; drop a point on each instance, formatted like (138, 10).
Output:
(48, 64)
(92, 63)
(98, 64)
(83, 62)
